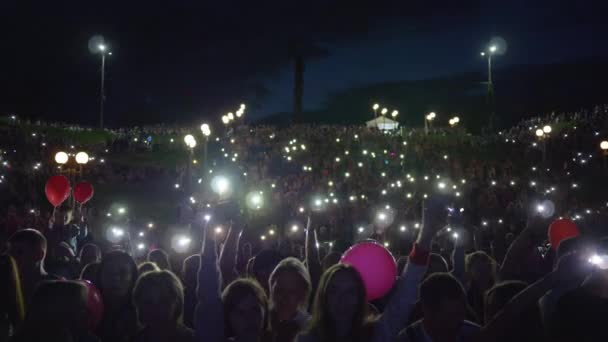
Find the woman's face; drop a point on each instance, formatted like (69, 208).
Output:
(247, 318)
(342, 297)
(482, 273)
(154, 309)
(287, 293)
(116, 280)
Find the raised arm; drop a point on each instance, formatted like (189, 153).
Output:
(571, 268)
(401, 304)
(511, 268)
(312, 253)
(229, 255)
(209, 314)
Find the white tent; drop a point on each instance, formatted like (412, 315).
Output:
(383, 123)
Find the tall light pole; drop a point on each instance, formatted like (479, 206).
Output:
(103, 49)
(206, 130)
(492, 49)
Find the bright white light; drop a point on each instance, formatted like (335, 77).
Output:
(604, 145)
(384, 111)
(122, 210)
(225, 119)
(294, 228)
(141, 246)
(101, 47)
(547, 129)
(141, 234)
(82, 158)
(441, 185)
(190, 141)
(220, 185)
(493, 48)
(395, 113)
(539, 133)
(206, 129)
(118, 232)
(219, 230)
(402, 228)
(230, 116)
(455, 235)
(271, 232)
(150, 225)
(375, 106)
(61, 158)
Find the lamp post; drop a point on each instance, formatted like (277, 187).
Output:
(604, 148)
(103, 49)
(492, 49)
(206, 130)
(375, 107)
(70, 168)
(191, 144)
(428, 119)
(542, 135)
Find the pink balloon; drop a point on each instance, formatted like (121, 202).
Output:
(375, 264)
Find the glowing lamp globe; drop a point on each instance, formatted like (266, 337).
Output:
(82, 158)
(206, 130)
(547, 129)
(61, 158)
(539, 133)
(604, 145)
(225, 119)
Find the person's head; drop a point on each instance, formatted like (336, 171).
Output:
(160, 258)
(190, 270)
(28, 248)
(147, 267)
(340, 298)
(481, 269)
(89, 253)
(499, 295)
(263, 264)
(117, 275)
(437, 264)
(245, 309)
(158, 297)
(63, 216)
(444, 304)
(58, 309)
(90, 272)
(289, 286)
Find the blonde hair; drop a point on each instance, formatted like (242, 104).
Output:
(166, 285)
(295, 266)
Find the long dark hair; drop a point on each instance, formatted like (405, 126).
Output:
(237, 291)
(118, 257)
(321, 324)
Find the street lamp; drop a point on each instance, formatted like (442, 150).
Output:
(604, 148)
(542, 134)
(102, 49)
(61, 158)
(225, 119)
(190, 141)
(395, 113)
(206, 133)
(82, 158)
(454, 121)
(230, 116)
(375, 108)
(492, 50)
(384, 111)
(428, 120)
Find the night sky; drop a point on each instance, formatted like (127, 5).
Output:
(183, 61)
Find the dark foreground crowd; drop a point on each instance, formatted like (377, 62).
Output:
(219, 295)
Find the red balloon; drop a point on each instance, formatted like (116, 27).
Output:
(561, 230)
(376, 266)
(94, 305)
(57, 190)
(83, 192)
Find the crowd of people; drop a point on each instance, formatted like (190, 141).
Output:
(466, 217)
